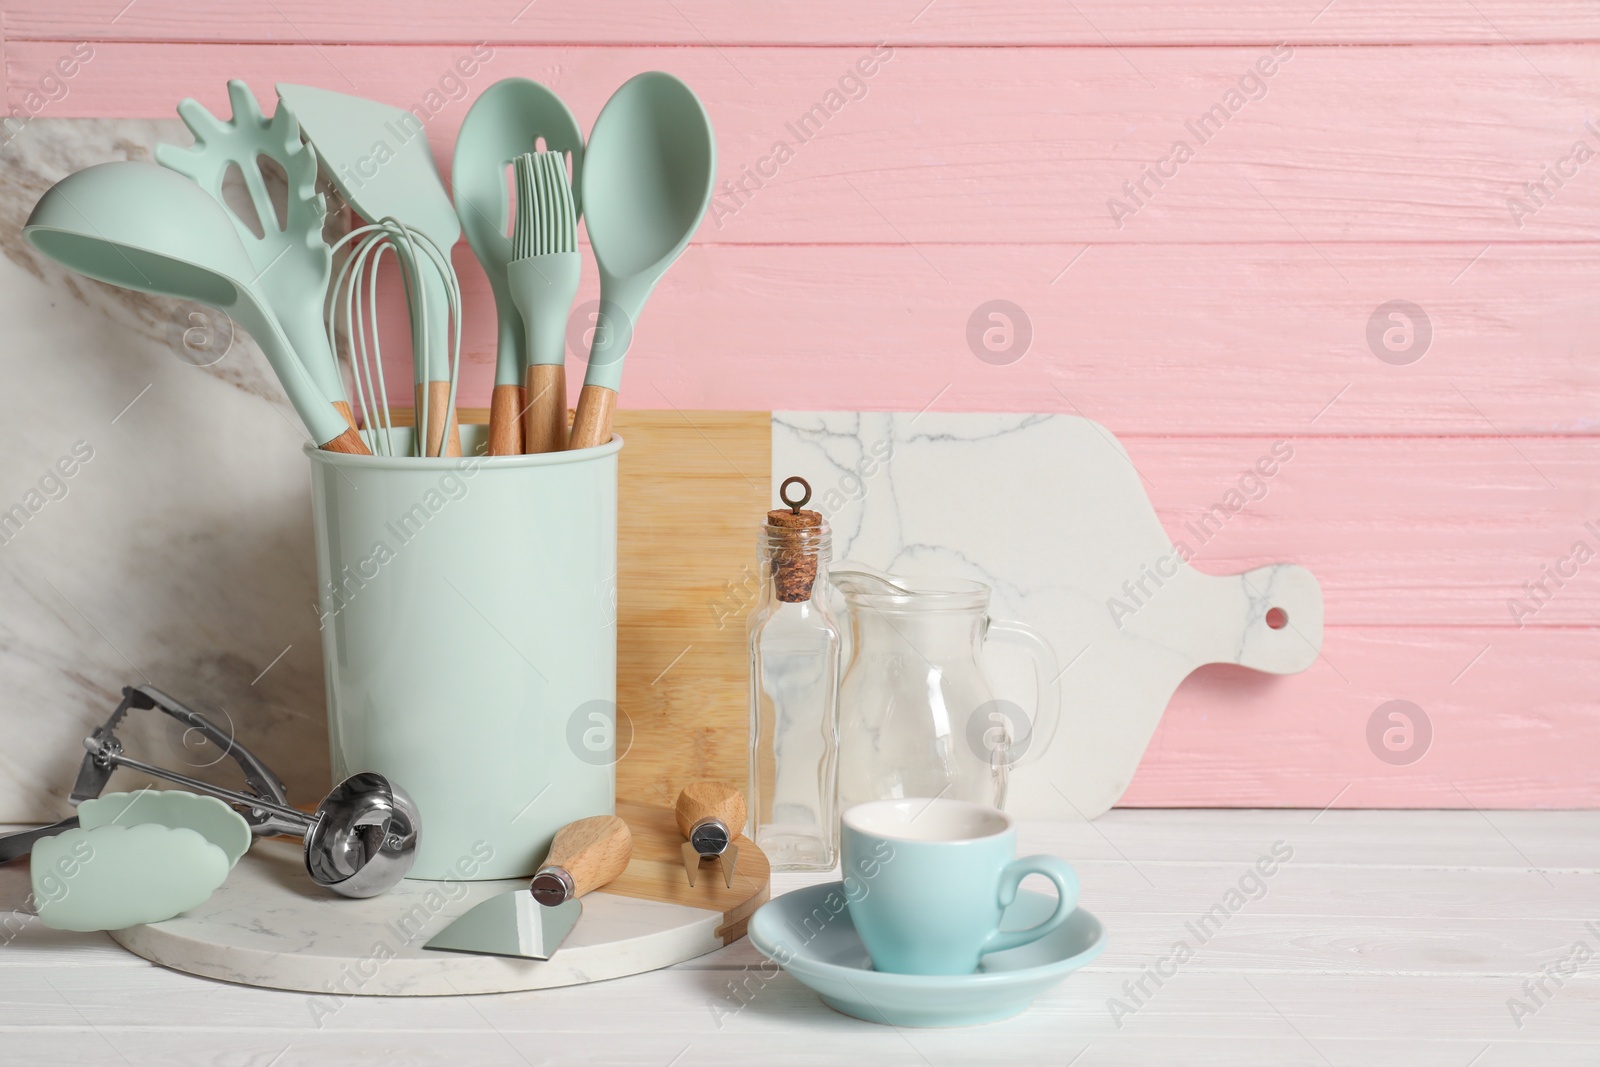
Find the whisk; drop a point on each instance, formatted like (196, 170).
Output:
(414, 252)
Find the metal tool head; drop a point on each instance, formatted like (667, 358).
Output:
(98, 763)
(710, 837)
(728, 858)
(363, 839)
(510, 924)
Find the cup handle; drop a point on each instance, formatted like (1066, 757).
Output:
(1047, 677)
(1053, 868)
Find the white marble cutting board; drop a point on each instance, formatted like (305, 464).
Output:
(269, 925)
(1050, 512)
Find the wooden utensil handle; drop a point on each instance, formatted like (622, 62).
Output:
(438, 411)
(592, 424)
(546, 419)
(349, 443)
(710, 800)
(343, 408)
(592, 851)
(505, 420)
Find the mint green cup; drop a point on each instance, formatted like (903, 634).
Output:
(931, 878)
(469, 640)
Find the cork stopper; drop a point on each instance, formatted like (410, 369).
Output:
(793, 535)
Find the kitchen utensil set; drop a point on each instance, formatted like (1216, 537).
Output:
(269, 268)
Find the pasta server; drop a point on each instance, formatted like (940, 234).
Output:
(291, 260)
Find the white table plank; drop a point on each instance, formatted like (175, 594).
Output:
(1390, 937)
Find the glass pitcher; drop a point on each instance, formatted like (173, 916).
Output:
(917, 716)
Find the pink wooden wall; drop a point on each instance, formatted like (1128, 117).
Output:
(1229, 311)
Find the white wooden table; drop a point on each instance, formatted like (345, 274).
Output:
(1387, 938)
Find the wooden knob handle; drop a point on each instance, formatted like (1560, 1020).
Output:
(710, 800)
(592, 851)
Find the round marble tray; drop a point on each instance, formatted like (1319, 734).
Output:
(270, 925)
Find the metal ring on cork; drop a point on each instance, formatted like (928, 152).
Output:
(783, 493)
(795, 536)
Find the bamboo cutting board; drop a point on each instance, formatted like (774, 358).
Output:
(270, 926)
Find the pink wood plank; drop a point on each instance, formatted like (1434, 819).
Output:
(958, 22)
(1019, 145)
(1185, 340)
(1514, 726)
(1400, 531)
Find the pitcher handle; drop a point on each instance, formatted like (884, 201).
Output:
(1047, 678)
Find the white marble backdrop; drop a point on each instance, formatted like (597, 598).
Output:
(179, 552)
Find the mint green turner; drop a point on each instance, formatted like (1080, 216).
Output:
(648, 173)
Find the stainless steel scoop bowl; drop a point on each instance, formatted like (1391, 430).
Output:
(364, 837)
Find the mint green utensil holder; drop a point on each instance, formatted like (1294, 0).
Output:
(468, 614)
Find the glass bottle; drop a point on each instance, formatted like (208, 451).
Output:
(794, 687)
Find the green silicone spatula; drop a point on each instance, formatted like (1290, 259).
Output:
(647, 180)
(508, 120)
(378, 158)
(291, 260)
(143, 227)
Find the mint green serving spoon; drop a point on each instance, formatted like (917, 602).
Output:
(647, 180)
(146, 228)
(506, 122)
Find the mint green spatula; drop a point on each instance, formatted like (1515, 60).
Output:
(647, 179)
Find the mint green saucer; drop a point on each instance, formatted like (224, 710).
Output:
(809, 933)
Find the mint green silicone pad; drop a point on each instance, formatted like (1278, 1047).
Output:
(207, 816)
(118, 876)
